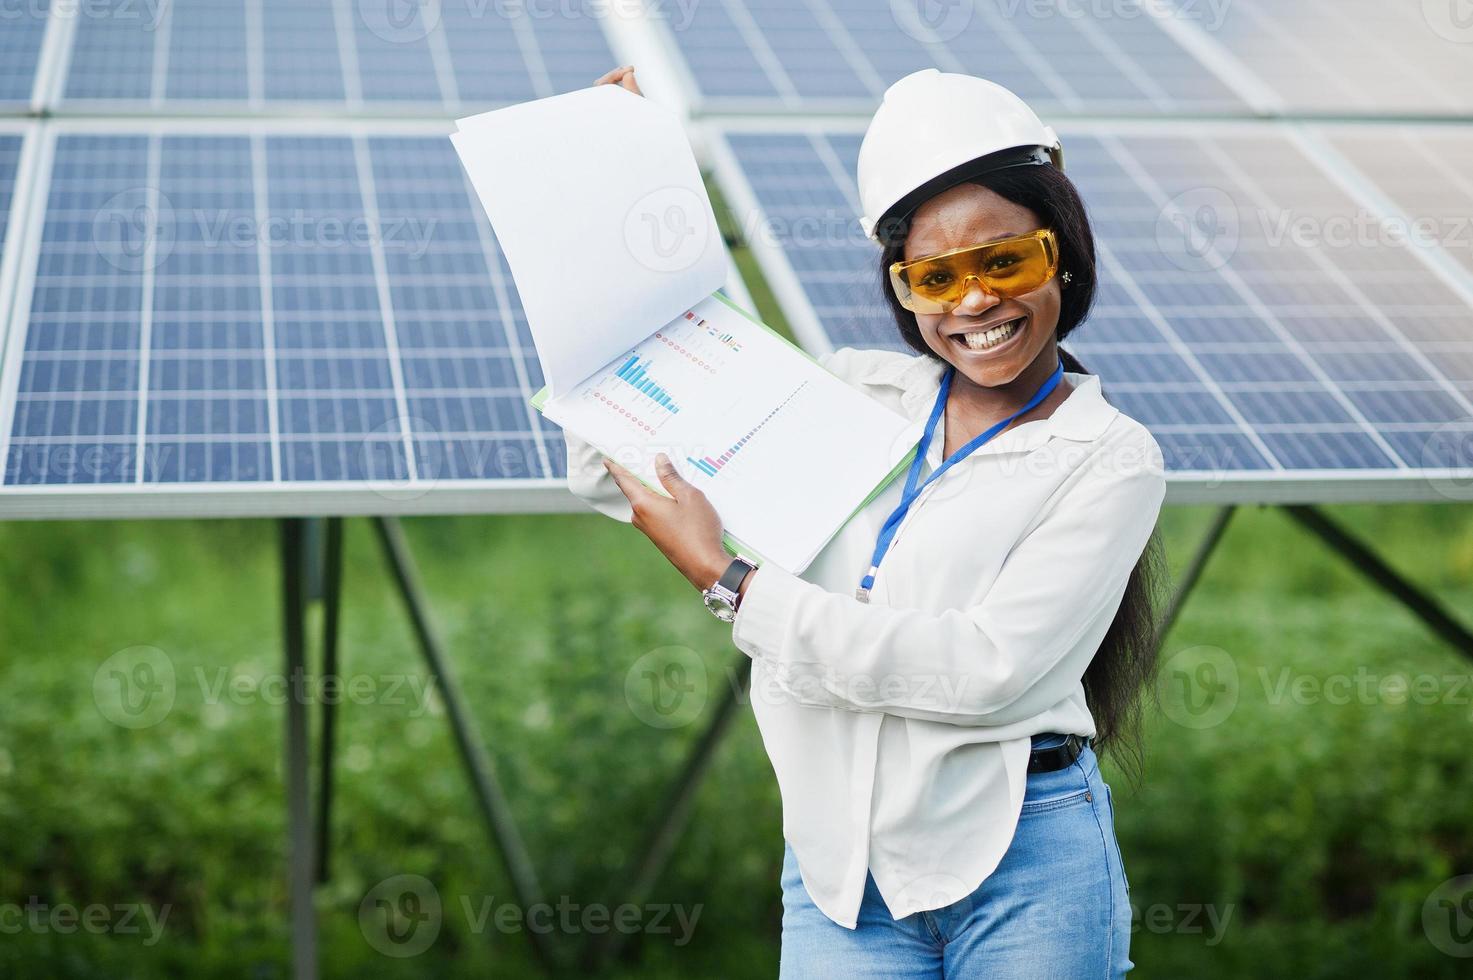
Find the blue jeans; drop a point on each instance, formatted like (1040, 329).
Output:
(1056, 908)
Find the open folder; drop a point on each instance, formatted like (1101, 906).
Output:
(598, 206)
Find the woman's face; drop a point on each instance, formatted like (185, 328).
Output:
(970, 214)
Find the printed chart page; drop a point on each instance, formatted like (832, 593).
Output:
(784, 450)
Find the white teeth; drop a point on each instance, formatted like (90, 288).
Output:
(991, 338)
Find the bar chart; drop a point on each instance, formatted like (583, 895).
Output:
(712, 465)
(634, 372)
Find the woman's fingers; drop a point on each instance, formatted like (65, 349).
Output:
(612, 77)
(628, 482)
(622, 76)
(670, 477)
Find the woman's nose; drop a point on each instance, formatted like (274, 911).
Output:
(976, 299)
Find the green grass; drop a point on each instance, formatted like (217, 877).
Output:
(1318, 829)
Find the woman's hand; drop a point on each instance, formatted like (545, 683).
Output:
(684, 526)
(623, 77)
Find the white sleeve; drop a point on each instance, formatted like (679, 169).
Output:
(1020, 650)
(590, 481)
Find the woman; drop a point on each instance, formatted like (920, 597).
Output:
(932, 729)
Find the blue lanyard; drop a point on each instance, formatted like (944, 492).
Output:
(911, 492)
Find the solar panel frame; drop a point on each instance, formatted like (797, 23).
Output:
(1218, 485)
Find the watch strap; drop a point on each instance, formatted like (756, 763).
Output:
(735, 572)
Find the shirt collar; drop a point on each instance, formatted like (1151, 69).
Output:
(1083, 416)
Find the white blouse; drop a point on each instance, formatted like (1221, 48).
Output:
(899, 729)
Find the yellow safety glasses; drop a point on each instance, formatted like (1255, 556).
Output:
(1006, 268)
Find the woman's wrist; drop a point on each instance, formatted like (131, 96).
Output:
(715, 567)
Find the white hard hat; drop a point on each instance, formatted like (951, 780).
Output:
(937, 129)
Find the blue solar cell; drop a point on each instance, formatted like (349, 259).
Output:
(114, 50)
(300, 56)
(396, 62)
(10, 146)
(501, 64)
(22, 28)
(230, 309)
(1240, 346)
(207, 51)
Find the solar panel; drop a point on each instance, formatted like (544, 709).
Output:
(1267, 357)
(253, 320)
(840, 55)
(13, 142)
(266, 55)
(264, 310)
(22, 29)
(1348, 56)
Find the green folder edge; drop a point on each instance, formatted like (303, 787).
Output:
(732, 544)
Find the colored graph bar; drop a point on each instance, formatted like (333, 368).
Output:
(632, 373)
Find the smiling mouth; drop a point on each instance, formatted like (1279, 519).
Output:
(991, 337)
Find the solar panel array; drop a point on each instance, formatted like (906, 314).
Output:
(824, 55)
(257, 307)
(298, 306)
(1230, 319)
(1064, 57)
(280, 306)
(268, 55)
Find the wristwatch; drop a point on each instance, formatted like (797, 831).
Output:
(721, 598)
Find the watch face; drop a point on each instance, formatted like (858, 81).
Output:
(718, 605)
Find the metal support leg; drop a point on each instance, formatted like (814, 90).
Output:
(332, 593)
(489, 796)
(654, 853)
(1193, 572)
(299, 818)
(1422, 605)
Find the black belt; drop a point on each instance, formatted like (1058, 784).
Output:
(1056, 757)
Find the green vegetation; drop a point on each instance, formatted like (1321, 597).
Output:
(1317, 829)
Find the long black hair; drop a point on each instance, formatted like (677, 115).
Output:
(1125, 664)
